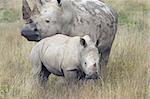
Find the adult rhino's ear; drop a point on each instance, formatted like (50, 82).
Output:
(83, 42)
(26, 11)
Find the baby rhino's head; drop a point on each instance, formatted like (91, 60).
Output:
(89, 57)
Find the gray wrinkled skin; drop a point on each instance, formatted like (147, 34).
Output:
(73, 18)
(73, 58)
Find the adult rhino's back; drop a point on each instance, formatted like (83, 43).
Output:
(95, 18)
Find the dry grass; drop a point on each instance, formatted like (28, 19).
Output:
(128, 74)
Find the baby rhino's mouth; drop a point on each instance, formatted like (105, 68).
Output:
(94, 76)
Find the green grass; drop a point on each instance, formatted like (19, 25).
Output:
(9, 15)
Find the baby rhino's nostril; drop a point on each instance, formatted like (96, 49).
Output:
(94, 65)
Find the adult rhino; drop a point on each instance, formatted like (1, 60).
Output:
(72, 17)
(73, 58)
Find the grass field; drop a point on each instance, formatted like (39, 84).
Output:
(128, 75)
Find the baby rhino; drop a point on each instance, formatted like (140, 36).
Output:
(73, 58)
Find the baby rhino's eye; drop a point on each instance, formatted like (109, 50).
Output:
(85, 63)
(47, 21)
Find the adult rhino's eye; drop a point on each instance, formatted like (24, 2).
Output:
(29, 21)
(85, 63)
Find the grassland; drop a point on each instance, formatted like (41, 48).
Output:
(128, 75)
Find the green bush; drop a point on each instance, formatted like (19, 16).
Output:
(8, 15)
(134, 16)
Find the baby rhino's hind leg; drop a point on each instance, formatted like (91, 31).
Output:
(40, 72)
(43, 75)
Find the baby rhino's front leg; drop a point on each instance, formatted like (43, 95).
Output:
(71, 76)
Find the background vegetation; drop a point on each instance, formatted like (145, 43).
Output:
(128, 75)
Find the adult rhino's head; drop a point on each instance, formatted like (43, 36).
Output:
(46, 19)
(90, 57)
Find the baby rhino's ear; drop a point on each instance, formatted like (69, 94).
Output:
(87, 38)
(83, 42)
(59, 2)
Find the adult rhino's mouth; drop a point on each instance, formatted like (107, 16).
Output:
(30, 36)
(31, 32)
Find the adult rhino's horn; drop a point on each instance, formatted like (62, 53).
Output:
(26, 11)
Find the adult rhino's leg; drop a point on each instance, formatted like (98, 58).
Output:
(43, 75)
(103, 61)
